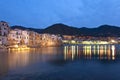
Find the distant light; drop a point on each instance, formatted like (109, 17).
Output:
(16, 46)
(94, 42)
(65, 41)
(113, 41)
(73, 41)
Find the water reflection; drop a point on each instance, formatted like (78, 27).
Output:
(18, 58)
(15, 59)
(23, 58)
(90, 52)
(4, 67)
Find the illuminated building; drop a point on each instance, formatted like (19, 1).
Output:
(32, 39)
(17, 36)
(4, 30)
(50, 40)
(68, 37)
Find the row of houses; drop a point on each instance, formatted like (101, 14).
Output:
(25, 37)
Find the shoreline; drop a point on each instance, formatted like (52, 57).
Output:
(23, 47)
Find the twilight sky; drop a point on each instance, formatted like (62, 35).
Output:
(43, 13)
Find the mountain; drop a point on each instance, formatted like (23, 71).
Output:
(101, 31)
(24, 28)
(61, 29)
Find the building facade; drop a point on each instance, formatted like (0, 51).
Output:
(4, 31)
(32, 39)
(50, 40)
(19, 37)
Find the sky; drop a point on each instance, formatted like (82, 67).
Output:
(77, 13)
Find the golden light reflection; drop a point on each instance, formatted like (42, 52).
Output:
(105, 47)
(18, 58)
(98, 49)
(109, 52)
(113, 52)
(21, 58)
(87, 50)
(65, 52)
(90, 51)
(94, 50)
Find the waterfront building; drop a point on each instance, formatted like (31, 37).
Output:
(50, 40)
(19, 37)
(33, 39)
(4, 30)
(68, 37)
(38, 39)
(25, 37)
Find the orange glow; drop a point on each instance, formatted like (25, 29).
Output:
(113, 52)
(101, 51)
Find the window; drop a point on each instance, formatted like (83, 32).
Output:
(4, 28)
(16, 33)
(5, 34)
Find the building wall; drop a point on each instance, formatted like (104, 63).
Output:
(4, 30)
(18, 36)
(33, 39)
(50, 40)
(25, 37)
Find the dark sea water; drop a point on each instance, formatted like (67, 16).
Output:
(69, 62)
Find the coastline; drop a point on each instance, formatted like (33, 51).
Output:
(24, 47)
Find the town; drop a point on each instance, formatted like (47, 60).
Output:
(18, 38)
(14, 38)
